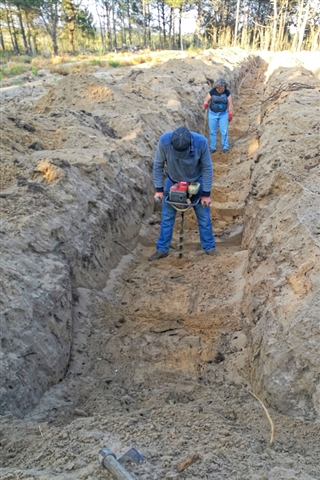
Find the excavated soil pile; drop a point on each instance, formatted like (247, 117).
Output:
(193, 356)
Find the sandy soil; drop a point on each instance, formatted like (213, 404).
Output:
(159, 357)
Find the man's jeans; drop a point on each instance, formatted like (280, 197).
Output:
(222, 120)
(168, 218)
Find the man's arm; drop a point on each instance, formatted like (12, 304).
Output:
(206, 170)
(207, 175)
(158, 167)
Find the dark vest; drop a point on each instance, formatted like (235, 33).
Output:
(219, 103)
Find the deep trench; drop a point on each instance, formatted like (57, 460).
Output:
(193, 326)
(159, 355)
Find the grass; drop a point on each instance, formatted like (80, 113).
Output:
(67, 64)
(13, 69)
(113, 64)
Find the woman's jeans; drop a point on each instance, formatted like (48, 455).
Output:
(214, 120)
(168, 218)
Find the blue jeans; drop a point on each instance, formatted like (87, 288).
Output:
(214, 120)
(168, 218)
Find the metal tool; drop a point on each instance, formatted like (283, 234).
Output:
(109, 461)
(131, 455)
(180, 197)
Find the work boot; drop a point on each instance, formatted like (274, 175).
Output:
(213, 253)
(157, 255)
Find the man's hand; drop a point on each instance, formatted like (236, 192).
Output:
(205, 201)
(158, 197)
(230, 117)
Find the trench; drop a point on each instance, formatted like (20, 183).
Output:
(160, 356)
(177, 317)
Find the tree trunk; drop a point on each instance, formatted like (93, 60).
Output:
(12, 34)
(163, 18)
(174, 43)
(149, 26)
(29, 34)
(1, 39)
(198, 24)
(129, 23)
(52, 27)
(124, 34)
(114, 24)
(315, 40)
(170, 28)
(282, 23)
(71, 29)
(159, 25)
(296, 34)
(109, 30)
(144, 24)
(23, 33)
(303, 26)
(102, 32)
(275, 21)
(180, 29)
(237, 23)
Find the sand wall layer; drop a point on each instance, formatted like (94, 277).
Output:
(282, 234)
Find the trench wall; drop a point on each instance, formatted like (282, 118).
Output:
(282, 235)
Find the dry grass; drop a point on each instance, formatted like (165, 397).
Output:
(67, 64)
(60, 70)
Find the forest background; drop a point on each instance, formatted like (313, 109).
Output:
(53, 27)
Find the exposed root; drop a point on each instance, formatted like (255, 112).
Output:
(187, 462)
(267, 415)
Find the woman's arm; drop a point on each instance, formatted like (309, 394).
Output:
(207, 100)
(230, 104)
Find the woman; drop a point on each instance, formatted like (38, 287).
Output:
(220, 106)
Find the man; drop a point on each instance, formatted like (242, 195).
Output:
(186, 157)
(220, 106)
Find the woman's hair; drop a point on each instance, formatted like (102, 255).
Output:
(221, 82)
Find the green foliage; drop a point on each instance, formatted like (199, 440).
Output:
(95, 61)
(15, 70)
(34, 71)
(84, 21)
(113, 64)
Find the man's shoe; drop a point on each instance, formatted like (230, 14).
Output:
(213, 150)
(157, 255)
(225, 150)
(213, 253)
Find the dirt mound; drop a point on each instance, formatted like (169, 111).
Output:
(80, 92)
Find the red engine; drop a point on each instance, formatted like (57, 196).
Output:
(179, 192)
